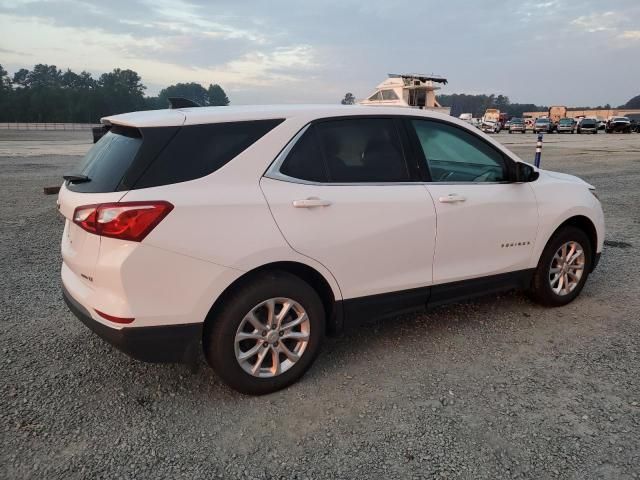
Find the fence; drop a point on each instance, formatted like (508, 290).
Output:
(47, 126)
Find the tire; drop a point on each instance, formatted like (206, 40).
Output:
(221, 348)
(541, 290)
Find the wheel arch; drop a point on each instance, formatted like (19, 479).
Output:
(586, 225)
(306, 273)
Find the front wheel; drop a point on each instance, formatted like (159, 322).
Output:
(266, 334)
(563, 268)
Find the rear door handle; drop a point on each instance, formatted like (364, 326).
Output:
(452, 198)
(311, 202)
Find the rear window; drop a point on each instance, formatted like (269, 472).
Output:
(107, 161)
(129, 158)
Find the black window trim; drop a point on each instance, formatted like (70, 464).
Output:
(273, 171)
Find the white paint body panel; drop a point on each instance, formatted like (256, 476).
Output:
(373, 238)
(472, 233)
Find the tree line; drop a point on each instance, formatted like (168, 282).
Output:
(47, 94)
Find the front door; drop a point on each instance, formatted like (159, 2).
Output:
(486, 224)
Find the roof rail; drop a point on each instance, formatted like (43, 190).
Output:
(180, 102)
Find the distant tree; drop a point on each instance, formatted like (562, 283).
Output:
(43, 76)
(5, 81)
(217, 97)
(123, 80)
(121, 91)
(502, 103)
(70, 79)
(192, 91)
(20, 77)
(633, 103)
(348, 99)
(154, 103)
(477, 104)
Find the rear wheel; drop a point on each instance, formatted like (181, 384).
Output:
(266, 334)
(563, 268)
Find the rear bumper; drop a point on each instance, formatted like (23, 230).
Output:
(165, 343)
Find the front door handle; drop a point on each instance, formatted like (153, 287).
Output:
(311, 202)
(452, 198)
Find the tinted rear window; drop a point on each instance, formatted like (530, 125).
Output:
(128, 158)
(198, 150)
(108, 160)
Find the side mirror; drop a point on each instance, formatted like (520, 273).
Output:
(525, 173)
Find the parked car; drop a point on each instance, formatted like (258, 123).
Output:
(602, 124)
(635, 125)
(588, 125)
(248, 233)
(517, 125)
(618, 124)
(506, 125)
(566, 125)
(543, 125)
(489, 126)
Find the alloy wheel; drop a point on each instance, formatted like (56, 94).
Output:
(567, 267)
(272, 337)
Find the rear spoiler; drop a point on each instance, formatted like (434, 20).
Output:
(174, 103)
(180, 102)
(99, 132)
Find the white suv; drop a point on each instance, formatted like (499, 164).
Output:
(251, 232)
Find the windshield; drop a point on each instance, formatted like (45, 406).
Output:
(566, 121)
(621, 119)
(516, 120)
(588, 123)
(542, 120)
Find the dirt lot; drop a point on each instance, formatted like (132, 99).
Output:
(498, 388)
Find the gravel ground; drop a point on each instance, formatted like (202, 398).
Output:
(497, 388)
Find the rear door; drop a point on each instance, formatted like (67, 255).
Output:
(486, 223)
(343, 194)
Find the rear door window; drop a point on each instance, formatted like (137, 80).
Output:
(354, 150)
(362, 150)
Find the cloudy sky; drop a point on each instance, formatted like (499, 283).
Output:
(577, 52)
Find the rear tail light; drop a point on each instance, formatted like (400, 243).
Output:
(125, 221)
